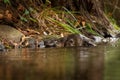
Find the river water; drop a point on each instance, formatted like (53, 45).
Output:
(78, 63)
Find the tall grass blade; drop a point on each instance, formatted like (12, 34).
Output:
(65, 26)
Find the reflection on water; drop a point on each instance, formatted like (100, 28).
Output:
(53, 64)
(112, 62)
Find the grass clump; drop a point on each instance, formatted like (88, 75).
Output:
(65, 26)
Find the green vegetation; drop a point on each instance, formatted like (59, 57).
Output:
(7, 2)
(111, 18)
(48, 17)
(54, 17)
(66, 26)
(113, 22)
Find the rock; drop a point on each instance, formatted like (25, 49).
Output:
(50, 43)
(61, 41)
(28, 42)
(97, 39)
(87, 41)
(2, 47)
(41, 44)
(10, 33)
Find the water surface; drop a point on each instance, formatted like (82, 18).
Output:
(79, 63)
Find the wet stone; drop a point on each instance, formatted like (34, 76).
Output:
(29, 42)
(2, 47)
(41, 44)
(50, 43)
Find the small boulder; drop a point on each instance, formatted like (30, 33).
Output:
(2, 47)
(41, 44)
(10, 33)
(28, 42)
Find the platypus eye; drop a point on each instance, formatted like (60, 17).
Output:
(71, 41)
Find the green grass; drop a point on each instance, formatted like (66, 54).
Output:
(113, 22)
(64, 25)
(7, 1)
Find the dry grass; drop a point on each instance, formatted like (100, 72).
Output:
(49, 27)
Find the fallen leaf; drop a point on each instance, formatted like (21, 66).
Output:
(20, 8)
(83, 23)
